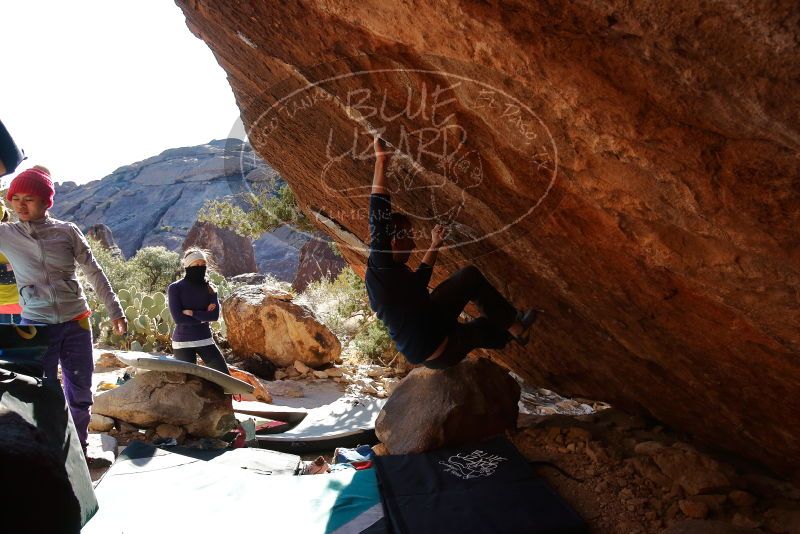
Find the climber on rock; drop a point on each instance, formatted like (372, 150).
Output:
(424, 325)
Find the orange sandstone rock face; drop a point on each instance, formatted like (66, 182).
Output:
(632, 169)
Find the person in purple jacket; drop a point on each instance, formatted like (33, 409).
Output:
(193, 304)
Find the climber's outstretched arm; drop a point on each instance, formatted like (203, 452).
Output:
(379, 177)
(437, 238)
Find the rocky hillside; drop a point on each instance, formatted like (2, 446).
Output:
(156, 201)
(628, 167)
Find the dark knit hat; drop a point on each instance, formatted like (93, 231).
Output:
(33, 182)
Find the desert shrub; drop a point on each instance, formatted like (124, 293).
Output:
(342, 305)
(266, 207)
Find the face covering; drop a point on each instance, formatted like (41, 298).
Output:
(196, 274)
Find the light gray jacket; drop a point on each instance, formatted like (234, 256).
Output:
(44, 255)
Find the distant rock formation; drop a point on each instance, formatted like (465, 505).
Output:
(231, 253)
(278, 252)
(317, 260)
(156, 202)
(103, 234)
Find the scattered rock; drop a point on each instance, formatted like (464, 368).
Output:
(334, 372)
(280, 374)
(695, 472)
(321, 374)
(291, 372)
(158, 397)
(741, 520)
(100, 423)
(741, 499)
(105, 386)
(648, 448)
(376, 372)
(260, 393)
(109, 360)
(166, 431)
(782, 520)
(435, 408)
(263, 321)
(286, 388)
(391, 385)
(699, 506)
(301, 367)
(126, 428)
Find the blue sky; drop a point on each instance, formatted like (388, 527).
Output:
(91, 85)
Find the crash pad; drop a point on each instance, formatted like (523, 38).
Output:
(483, 487)
(151, 490)
(143, 360)
(347, 422)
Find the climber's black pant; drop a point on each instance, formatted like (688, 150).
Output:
(210, 355)
(489, 331)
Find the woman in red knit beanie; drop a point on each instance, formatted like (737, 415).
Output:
(45, 252)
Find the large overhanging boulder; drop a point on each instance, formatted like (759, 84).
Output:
(630, 168)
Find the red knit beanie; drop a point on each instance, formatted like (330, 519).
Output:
(33, 182)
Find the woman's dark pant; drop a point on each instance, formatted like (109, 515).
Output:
(210, 355)
(489, 331)
(70, 344)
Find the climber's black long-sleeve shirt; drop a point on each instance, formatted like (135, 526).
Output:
(398, 295)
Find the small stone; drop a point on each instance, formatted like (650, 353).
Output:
(370, 390)
(321, 374)
(286, 388)
(391, 384)
(567, 405)
(301, 367)
(782, 520)
(741, 520)
(647, 448)
(380, 450)
(376, 372)
(109, 360)
(578, 434)
(741, 499)
(170, 431)
(693, 509)
(100, 423)
(105, 386)
(714, 502)
(280, 374)
(291, 372)
(127, 428)
(334, 372)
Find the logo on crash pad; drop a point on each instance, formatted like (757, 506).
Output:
(470, 147)
(473, 465)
